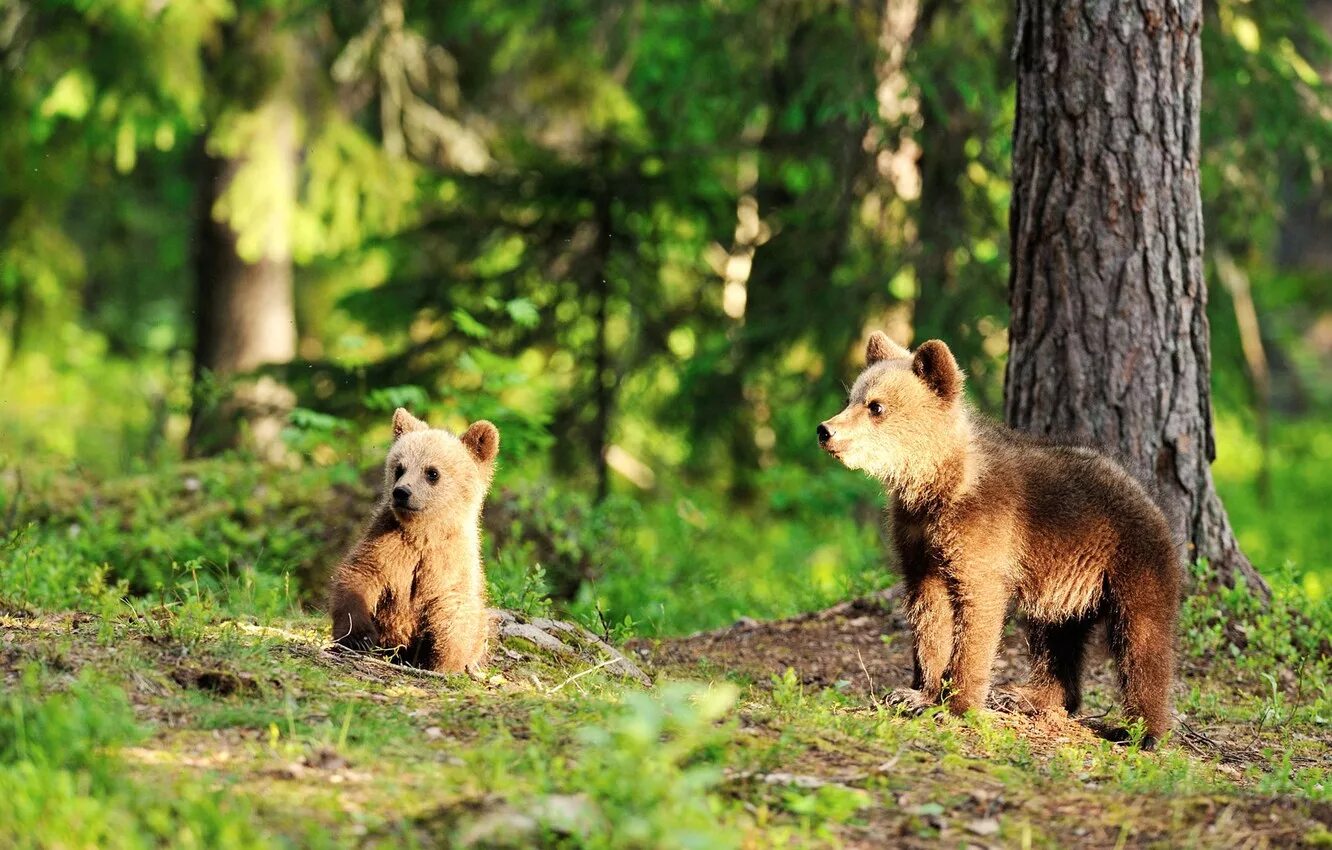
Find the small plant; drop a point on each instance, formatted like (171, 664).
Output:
(517, 586)
(788, 692)
(652, 770)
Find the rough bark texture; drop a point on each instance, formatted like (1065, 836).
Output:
(244, 314)
(1109, 335)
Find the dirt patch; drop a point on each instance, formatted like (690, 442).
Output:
(1076, 821)
(217, 680)
(863, 647)
(845, 643)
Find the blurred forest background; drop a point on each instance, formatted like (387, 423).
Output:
(646, 239)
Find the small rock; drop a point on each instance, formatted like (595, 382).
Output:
(505, 825)
(434, 732)
(325, 758)
(925, 810)
(294, 770)
(983, 827)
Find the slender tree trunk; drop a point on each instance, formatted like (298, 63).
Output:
(941, 218)
(1304, 244)
(603, 388)
(1109, 336)
(245, 309)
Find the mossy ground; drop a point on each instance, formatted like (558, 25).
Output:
(246, 733)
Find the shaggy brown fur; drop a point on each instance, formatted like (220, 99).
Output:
(983, 515)
(414, 583)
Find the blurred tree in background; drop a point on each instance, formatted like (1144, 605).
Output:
(647, 239)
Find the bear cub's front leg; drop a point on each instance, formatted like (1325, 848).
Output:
(929, 612)
(354, 595)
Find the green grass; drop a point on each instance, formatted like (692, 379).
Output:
(109, 737)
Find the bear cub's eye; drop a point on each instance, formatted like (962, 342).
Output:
(875, 408)
(399, 471)
(432, 475)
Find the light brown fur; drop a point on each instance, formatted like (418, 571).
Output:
(983, 515)
(414, 584)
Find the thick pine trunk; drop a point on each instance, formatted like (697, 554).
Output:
(244, 313)
(1109, 336)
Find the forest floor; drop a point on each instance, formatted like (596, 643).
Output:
(240, 733)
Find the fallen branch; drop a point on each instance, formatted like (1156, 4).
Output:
(606, 663)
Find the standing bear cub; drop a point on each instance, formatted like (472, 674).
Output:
(983, 515)
(414, 585)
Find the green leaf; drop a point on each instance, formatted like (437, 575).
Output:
(523, 312)
(70, 97)
(468, 324)
(409, 396)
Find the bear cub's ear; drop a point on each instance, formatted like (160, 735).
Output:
(482, 440)
(404, 422)
(933, 363)
(880, 347)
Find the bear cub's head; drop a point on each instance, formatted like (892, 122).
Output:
(432, 475)
(904, 413)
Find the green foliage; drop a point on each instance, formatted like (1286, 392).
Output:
(1280, 523)
(668, 742)
(65, 731)
(232, 529)
(1290, 632)
(40, 571)
(62, 783)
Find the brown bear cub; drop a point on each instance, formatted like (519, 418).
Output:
(983, 515)
(414, 585)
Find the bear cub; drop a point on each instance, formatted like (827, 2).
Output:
(414, 585)
(983, 515)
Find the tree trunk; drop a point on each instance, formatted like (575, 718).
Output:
(1109, 335)
(1303, 244)
(941, 220)
(602, 389)
(245, 309)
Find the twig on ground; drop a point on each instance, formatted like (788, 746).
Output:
(338, 651)
(868, 678)
(273, 631)
(606, 663)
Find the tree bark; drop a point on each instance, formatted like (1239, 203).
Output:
(1109, 334)
(244, 311)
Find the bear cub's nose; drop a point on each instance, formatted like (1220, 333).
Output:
(824, 434)
(401, 495)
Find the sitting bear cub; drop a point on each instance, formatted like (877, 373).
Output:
(414, 585)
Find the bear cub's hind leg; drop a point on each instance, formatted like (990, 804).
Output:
(1144, 654)
(1057, 651)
